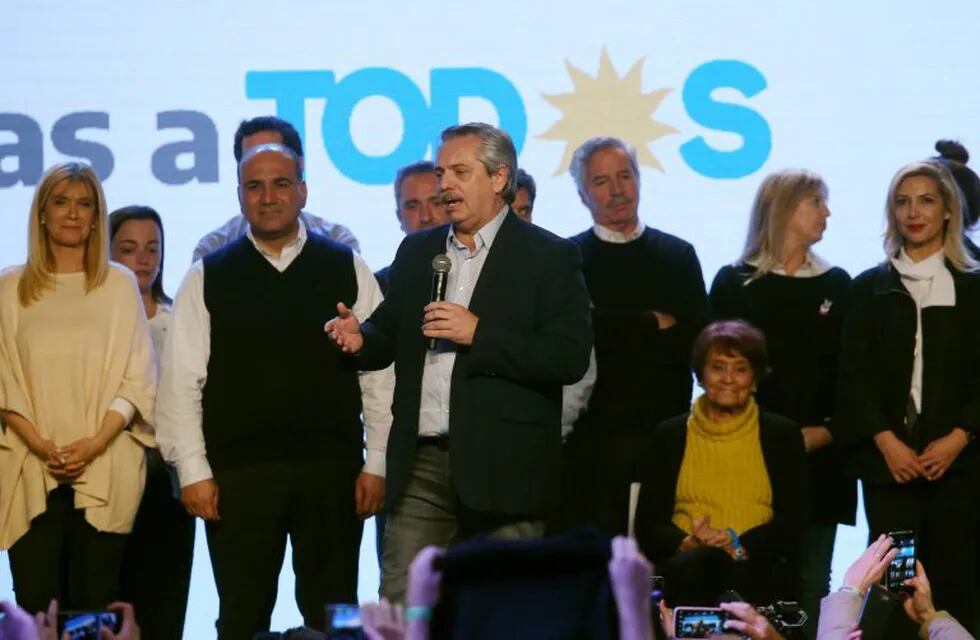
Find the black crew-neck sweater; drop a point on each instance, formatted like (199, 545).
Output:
(644, 374)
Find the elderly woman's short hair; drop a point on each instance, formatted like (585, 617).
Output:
(732, 337)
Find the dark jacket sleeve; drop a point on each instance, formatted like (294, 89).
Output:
(381, 329)
(969, 418)
(785, 458)
(858, 413)
(658, 537)
(558, 348)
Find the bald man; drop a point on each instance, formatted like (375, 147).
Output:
(259, 413)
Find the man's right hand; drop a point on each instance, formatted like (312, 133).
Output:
(201, 499)
(664, 320)
(345, 330)
(902, 461)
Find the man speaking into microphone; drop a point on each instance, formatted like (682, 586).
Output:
(475, 442)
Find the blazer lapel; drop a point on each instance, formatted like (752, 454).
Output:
(496, 263)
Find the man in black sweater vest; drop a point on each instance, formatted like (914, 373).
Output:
(262, 416)
(648, 304)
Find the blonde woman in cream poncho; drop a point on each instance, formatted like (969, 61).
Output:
(76, 366)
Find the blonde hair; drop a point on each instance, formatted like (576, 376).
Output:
(38, 274)
(775, 201)
(953, 246)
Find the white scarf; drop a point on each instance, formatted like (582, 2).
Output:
(930, 284)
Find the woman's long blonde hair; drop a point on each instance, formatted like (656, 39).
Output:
(38, 274)
(775, 201)
(953, 245)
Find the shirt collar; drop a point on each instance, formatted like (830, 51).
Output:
(484, 237)
(813, 266)
(608, 235)
(294, 245)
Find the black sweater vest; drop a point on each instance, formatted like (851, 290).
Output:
(276, 388)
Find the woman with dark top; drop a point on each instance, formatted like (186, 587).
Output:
(156, 569)
(727, 475)
(954, 157)
(910, 369)
(797, 300)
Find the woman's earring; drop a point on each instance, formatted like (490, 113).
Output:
(42, 220)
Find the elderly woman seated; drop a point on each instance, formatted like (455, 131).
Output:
(727, 480)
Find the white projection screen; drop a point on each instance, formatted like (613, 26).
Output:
(714, 94)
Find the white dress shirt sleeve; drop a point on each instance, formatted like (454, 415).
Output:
(377, 387)
(123, 407)
(575, 397)
(183, 372)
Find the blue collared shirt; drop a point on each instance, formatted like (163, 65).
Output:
(438, 368)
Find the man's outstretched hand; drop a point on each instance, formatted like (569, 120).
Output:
(345, 330)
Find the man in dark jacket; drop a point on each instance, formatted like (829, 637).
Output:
(475, 444)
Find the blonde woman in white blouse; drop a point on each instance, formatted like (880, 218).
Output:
(76, 367)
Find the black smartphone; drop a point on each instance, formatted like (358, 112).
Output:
(699, 622)
(902, 567)
(344, 622)
(85, 625)
(656, 590)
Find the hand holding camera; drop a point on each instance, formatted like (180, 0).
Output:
(746, 619)
(919, 605)
(870, 566)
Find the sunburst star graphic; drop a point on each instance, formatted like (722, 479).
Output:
(608, 105)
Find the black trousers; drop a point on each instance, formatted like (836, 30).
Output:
(699, 576)
(599, 468)
(311, 502)
(942, 515)
(62, 556)
(156, 569)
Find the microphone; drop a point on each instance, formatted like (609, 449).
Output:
(441, 265)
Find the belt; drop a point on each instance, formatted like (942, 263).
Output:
(439, 442)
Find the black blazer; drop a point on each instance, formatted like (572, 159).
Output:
(876, 368)
(785, 459)
(534, 335)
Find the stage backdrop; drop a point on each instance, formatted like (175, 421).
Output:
(714, 94)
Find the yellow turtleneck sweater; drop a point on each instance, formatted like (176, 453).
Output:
(723, 473)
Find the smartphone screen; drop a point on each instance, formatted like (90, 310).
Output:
(698, 622)
(902, 567)
(344, 622)
(85, 625)
(656, 589)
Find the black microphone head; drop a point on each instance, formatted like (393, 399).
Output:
(441, 263)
